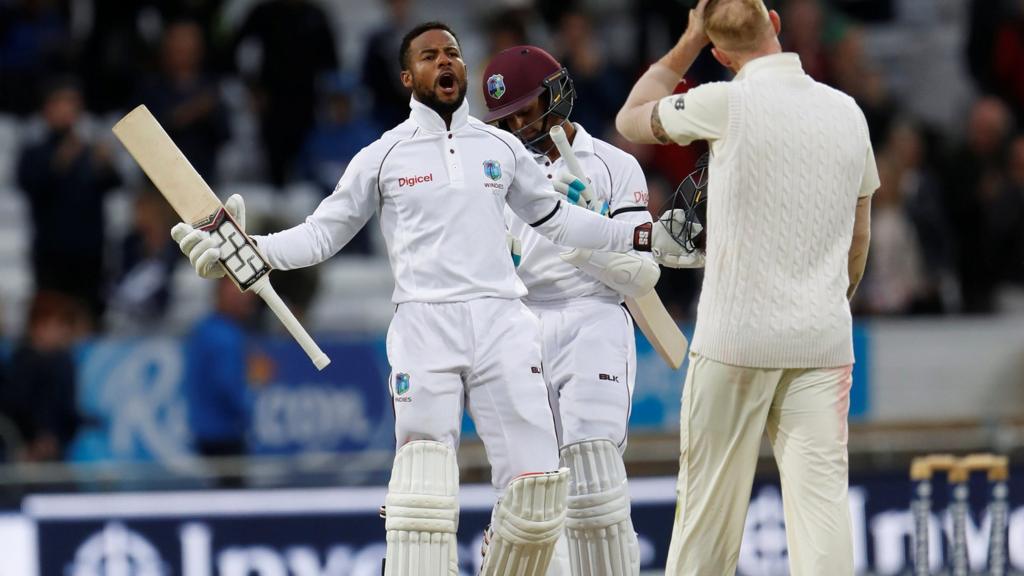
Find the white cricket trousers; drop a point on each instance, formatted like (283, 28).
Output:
(589, 352)
(483, 354)
(725, 411)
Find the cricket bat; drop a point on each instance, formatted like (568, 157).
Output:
(648, 311)
(194, 201)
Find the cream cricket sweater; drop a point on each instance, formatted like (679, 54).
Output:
(790, 156)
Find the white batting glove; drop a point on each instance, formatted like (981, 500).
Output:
(202, 250)
(515, 249)
(579, 192)
(664, 247)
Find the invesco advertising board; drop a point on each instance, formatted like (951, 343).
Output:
(337, 532)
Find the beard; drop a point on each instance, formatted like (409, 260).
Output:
(427, 95)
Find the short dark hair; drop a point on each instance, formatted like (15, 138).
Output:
(403, 52)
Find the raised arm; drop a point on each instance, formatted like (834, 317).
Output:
(334, 222)
(639, 119)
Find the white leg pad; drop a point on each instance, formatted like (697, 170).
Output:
(598, 524)
(422, 511)
(528, 520)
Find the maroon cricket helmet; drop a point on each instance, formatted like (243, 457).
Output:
(518, 75)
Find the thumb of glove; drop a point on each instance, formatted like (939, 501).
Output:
(235, 206)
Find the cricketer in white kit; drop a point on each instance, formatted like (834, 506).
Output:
(460, 337)
(788, 210)
(588, 343)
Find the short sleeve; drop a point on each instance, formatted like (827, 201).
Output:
(700, 114)
(869, 181)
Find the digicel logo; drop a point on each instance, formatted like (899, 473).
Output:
(414, 180)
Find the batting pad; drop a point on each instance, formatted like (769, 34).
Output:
(600, 532)
(528, 520)
(422, 511)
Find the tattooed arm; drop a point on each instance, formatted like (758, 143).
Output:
(639, 120)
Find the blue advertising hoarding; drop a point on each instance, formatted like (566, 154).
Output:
(337, 532)
(131, 394)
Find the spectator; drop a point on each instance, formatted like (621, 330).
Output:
(296, 45)
(804, 34)
(40, 395)
(142, 289)
(116, 50)
(381, 71)
(1007, 216)
(65, 179)
(216, 389)
(920, 195)
(505, 29)
(337, 136)
(33, 39)
(894, 279)
(1008, 57)
(186, 101)
(984, 19)
(580, 52)
(973, 179)
(853, 75)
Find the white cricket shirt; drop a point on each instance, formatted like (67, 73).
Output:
(616, 178)
(440, 194)
(789, 158)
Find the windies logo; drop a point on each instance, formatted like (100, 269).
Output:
(401, 383)
(492, 169)
(496, 86)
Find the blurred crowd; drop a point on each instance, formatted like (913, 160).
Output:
(269, 96)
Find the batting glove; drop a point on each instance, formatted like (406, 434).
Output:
(203, 251)
(579, 192)
(515, 248)
(666, 250)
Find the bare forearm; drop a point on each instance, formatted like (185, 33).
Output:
(636, 120)
(857, 261)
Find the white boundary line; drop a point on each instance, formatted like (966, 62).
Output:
(312, 501)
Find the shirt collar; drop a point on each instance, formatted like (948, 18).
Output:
(784, 62)
(582, 141)
(431, 121)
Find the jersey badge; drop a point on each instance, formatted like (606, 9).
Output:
(401, 383)
(492, 169)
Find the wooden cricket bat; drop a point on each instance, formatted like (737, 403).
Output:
(193, 200)
(649, 312)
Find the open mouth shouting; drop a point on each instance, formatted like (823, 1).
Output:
(447, 84)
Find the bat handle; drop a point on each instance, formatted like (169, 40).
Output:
(263, 288)
(561, 141)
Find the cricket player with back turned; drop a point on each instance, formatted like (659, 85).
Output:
(588, 342)
(460, 336)
(790, 181)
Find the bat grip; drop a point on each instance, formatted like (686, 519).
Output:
(571, 161)
(263, 288)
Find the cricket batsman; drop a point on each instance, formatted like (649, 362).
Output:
(587, 342)
(789, 192)
(460, 337)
